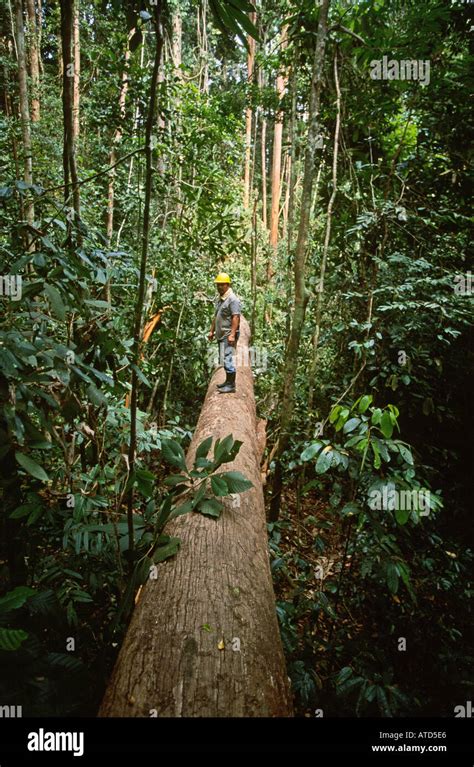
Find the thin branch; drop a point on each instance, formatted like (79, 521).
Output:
(99, 173)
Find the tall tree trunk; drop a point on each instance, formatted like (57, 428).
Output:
(202, 46)
(263, 141)
(76, 44)
(203, 640)
(263, 149)
(276, 163)
(253, 267)
(19, 33)
(176, 44)
(7, 49)
(138, 315)
(327, 237)
(136, 117)
(291, 193)
(286, 203)
(34, 58)
(249, 114)
(39, 17)
(115, 142)
(301, 293)
(71, 181)
(113, 159)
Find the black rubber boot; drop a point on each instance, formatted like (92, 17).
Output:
(226, 382)
(229, 386)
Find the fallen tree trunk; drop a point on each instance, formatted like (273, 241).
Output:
(204, 640)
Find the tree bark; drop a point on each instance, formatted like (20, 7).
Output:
(76, 45)
(115, 142)
(34, 59)
(19, 33)
(202, 46)
(138, 314)
(253, 267)
(69, 154)
(263, 140)
(180, 656)
(176, 44)
(276, 163)
(249, 115)
(301, 293)
(327, 237)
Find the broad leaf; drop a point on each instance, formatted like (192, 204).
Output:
(11, 639)
(386, 425)
(236, 482)
(219, 486)
(31, 467)
(15, 598)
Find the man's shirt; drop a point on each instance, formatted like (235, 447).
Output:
(223, 314)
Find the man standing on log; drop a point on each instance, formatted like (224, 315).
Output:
(225, 328)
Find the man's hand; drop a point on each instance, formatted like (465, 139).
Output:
(231, 339)
(211, 335)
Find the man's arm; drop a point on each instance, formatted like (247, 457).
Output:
(234, 328)
(211, 332)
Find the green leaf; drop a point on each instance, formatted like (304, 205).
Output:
(376, 416)
(243, 20)
(166, 551)
(95, 395)
(22, 511)
(183, 509)
(377, 460)
(199, 495)
(165, 512)
(365, 402)
(386, 425)
(349, 509)
(31, 467)
(219, 486)
(11, 639)
(392, 578)
(325, 460)
(173, 453)
(141, 376)
(204, 448)
(210, 507)
(406, 454)
(66, 661)
(203, 463)
(55, 301)
(402, 516)
(236, 482)
(225, 450)
(145, 481)
(351, 424)
(344, 675)
(333, 416)
(310, 451)
(16, 598)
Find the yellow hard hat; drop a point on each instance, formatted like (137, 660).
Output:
(222, 277)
